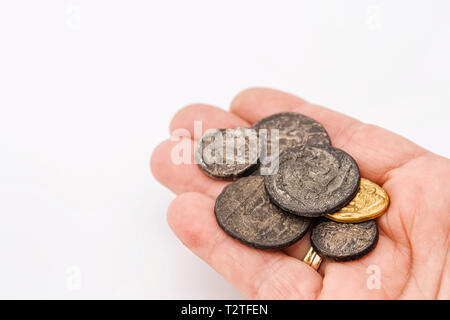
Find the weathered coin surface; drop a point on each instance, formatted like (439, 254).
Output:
(293, 129)
(228, 154)
(313, 180)
(370, 202)
(243, 210)
(344, 241)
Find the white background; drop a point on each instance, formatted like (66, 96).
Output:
(87, 89)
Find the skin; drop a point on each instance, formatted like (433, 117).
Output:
(412, 252)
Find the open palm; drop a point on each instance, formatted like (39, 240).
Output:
(411, 259)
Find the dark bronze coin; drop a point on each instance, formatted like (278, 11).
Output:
(313, 180)
(294, 129)
(344, 241)
(243, 210)
(228, 154)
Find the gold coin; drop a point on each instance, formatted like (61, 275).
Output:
(370, 202)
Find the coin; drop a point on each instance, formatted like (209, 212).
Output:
(228, 154)
(294, 129)
(370, 202)
(344, 241)
(313, 180)
(243, 210)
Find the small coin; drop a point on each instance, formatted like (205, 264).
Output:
(243, 210)
(294, 129)
(370, 202)
(228, 154)
(344, 241)
(313, 180)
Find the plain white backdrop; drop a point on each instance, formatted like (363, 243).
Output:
(87, 90)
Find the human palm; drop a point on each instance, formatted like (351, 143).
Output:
(411, 259)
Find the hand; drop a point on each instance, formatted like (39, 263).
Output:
(412, 252)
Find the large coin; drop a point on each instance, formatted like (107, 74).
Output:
(293, 129)
(313, 180)
(344, 241)
(228, 154)
(243, 210)
(370, 202)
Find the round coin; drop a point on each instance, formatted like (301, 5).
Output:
(293, 129)
(344, 241)
(243, 210)
(313, 180)
(228, 154)
(370, 202)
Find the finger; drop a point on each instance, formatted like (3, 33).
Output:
(270, 101)
(377, 151)
(388, 259)
(187, 176)
(255, 273)
(299, 249)
(208, 117)
(182, 177)
(256, 103)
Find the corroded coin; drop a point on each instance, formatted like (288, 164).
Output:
(293, 129)
(313, 180)
(243, 210)
(344, 241)
(228, 154)
(370, 202)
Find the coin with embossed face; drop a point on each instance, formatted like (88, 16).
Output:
(228, 154)
(243, 210)
(313, 180)
(285, 130)
(344, 241)
(370, 202)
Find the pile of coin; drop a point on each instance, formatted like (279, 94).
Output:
(290, 179)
